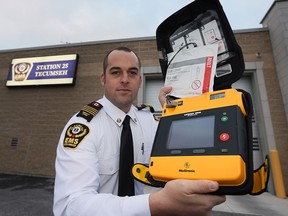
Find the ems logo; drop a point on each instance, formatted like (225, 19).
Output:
(74, 135)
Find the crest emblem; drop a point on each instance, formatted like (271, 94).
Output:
(21, 70)
(75, 133)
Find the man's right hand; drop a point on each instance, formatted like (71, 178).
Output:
(185, 197)
(162, 94)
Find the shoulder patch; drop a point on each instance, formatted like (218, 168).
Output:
(74, 135)
(90, 110)
(143, 106)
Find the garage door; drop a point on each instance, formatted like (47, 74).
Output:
(152, 87)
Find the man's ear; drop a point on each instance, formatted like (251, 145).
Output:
(102, 79)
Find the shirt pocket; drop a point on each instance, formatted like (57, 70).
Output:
(109, 165)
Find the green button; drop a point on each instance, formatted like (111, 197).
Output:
(224, 118)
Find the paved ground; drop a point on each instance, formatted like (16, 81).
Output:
(264, 205)
(33, 196)
(26, 196)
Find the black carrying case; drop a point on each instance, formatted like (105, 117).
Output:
(194, 16)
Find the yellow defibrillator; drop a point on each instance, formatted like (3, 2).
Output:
(208, 136)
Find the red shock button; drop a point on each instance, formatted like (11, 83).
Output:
(224, 137)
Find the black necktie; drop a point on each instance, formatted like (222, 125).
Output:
(126, 181)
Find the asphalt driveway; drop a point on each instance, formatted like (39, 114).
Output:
(26, 195)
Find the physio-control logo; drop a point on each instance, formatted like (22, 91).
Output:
(186, 166)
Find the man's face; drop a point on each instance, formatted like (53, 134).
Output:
(122, 79)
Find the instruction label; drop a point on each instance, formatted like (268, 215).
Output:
(191, 70)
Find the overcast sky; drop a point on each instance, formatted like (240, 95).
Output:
(34, 23)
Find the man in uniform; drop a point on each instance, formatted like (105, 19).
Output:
(87, 163)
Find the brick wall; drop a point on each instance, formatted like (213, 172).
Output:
(260, 41)
(36, 115)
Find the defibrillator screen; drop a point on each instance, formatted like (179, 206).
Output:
(191, 133)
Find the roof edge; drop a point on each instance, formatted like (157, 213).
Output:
(275, 1)
(80, 44)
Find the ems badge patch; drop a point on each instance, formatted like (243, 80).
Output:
(74, 135)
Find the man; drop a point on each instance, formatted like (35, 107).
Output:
(87, 163)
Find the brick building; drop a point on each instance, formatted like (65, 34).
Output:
(32, 117)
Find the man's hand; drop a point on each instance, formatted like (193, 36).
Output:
(185, 197)
(162, 94)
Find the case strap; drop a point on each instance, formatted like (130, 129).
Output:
(260, 178)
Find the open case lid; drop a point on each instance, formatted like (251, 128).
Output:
(198, 24)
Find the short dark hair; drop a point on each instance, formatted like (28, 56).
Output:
(125, 49)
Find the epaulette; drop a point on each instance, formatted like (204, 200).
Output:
(90, 110)
(143, 106)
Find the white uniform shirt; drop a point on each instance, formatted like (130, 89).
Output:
(86, 180)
